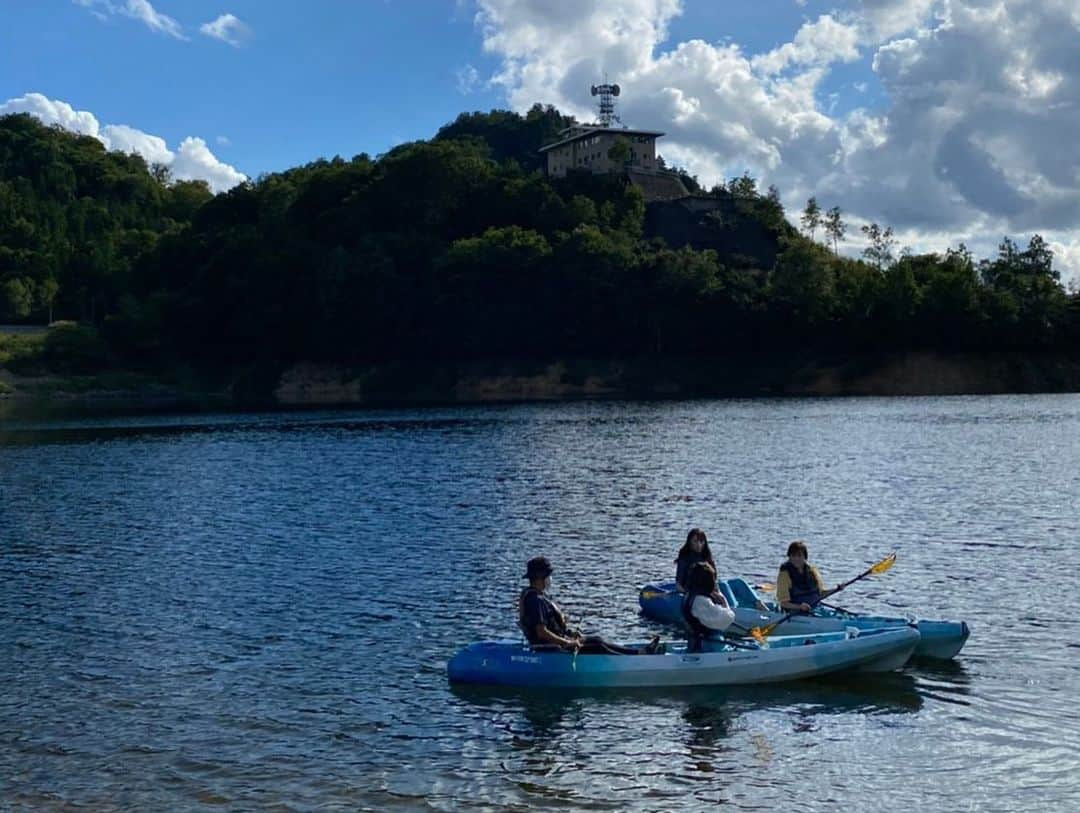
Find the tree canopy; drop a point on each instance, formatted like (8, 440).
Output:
(460, 247)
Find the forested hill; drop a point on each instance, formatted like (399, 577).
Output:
(459, 248)
(74, 218)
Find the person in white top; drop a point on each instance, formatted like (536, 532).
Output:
(704, 609)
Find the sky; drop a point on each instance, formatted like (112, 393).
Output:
(949, 120)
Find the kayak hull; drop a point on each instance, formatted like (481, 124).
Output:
(941, 640)
(512, 663)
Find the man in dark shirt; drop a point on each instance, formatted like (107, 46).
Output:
(545, 626)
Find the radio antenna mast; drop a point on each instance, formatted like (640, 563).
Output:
(607, 94)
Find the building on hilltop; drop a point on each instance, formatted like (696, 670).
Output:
(589, 147)
(605, 150)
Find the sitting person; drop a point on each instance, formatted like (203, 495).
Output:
(798, 585)
(545, 626)
(704, 610)
(696, 549)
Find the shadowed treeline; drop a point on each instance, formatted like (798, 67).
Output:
(459, 248)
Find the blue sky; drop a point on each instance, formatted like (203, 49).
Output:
(315, 79)
(947, 119)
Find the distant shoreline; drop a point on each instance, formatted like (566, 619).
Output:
(306, 385)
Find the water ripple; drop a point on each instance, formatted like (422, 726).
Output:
(255, 611)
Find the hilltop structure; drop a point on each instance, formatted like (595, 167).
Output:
(604, 149)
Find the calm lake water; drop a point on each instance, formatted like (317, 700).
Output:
(254, 612)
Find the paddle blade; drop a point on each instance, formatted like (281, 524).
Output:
(758, 634)
(884, 564)
(766, 587)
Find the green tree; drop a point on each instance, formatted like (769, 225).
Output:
(682, 283)
(18, 296)
(161, 173)
(46, 292)
(803, 283)
(882, 243)
(835, 228)
(743, 186)
(811, 216)
(620, 151)
(1026, 290)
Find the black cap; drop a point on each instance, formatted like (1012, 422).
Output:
(538, 568)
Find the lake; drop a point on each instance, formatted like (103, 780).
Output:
(254, 612)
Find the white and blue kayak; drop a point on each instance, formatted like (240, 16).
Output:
(939, 639)
(788, 657)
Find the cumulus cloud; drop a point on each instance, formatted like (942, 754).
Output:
(880, 20)
(192, 160)
(974, 138)
(140, 10)
(817, 43)
(53, 112)
(122, 138)
(227, 28)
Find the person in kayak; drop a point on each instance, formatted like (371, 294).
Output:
(545, 626)
(704, 610)
(798, 585)
(695, 550)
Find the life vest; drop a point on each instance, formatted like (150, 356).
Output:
(550, 615)
(697, 630)
(804, 587)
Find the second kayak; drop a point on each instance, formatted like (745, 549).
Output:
(939, 639)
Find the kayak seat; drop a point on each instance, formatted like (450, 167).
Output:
(743, 593)
(725, 591)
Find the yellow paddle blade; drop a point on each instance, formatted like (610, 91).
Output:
(649, 595)
(766, 587)
(758, 634)
(884, 564)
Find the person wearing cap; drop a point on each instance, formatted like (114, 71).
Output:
(798, 584)
(545, 626)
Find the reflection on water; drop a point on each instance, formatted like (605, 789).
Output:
(255, 611)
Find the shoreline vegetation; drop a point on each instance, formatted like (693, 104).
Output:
(454, 270)
(324, 385)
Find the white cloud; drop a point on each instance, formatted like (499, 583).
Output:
(974, 139)
(880, 20)
(817, 43)
(192, 160)
(122, 138)
(223, 141)
(468, 80)
(140, 10)
(53, 112)
(227, 28)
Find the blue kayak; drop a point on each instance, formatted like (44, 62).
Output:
(938, 639)
(789, 657)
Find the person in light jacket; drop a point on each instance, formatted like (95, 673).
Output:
(704, 609)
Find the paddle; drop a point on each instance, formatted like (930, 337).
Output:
(841, 610)
(760, 633)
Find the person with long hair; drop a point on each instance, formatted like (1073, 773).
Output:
(695, 550)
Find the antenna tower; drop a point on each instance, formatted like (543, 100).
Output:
(607, 94)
